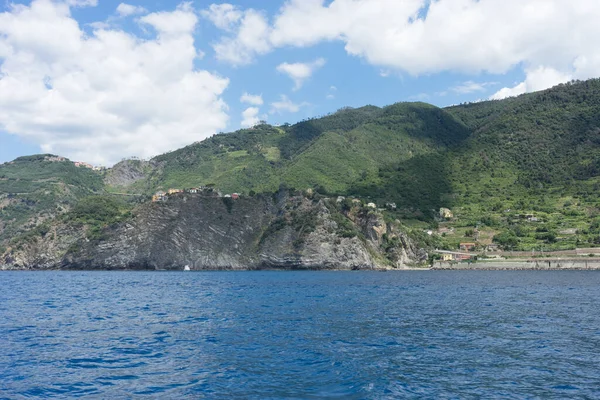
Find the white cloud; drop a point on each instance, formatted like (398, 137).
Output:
(125, 10)
(467, 36)
(224, 16)
(178, 23)
(100, 25)
(82, 3)
(252, 99)
(248, 33)
(300, 72)
(469, 87)
(331, 95)
(107, 95)
(537, 79)
(286, 105)
(250, 117)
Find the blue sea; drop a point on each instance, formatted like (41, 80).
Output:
(300, 335)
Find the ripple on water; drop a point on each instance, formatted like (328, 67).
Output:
(302, 335)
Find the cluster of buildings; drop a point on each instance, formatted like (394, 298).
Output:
(391, 206)
(163, 196)
(466, 252)
(78, 164)
(81, 164)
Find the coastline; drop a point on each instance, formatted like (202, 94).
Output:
(555, 264)
(505, 265)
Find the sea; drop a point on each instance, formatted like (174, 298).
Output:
(300, 335)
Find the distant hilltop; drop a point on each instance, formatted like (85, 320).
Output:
(78, 164)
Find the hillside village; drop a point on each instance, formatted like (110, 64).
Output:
(205, 191)
(481, 244)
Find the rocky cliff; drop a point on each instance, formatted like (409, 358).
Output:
(209, 232)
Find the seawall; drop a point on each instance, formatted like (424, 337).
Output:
(541, 264)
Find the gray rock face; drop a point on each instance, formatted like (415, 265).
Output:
(211, 233)
(127, 172)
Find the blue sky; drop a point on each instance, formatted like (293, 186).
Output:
(99, 80)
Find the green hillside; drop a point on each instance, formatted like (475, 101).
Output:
(533, 155)
(522, 170)
(36, 188)
(335, 153)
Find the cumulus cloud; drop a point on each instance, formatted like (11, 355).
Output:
(423, 37)
(250, 117)
(537, 79)
(224, 16)
(125, 10)
(252, 99)
(300, 72)
(249, 32)
(107, 95)
(285, 105)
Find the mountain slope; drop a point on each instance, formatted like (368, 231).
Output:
(334, 153)
(37, 188)
(497, 164)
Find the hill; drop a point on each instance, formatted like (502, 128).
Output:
(35, 189)
(522, 171)
(340, 154)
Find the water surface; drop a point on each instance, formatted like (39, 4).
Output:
(436, 334)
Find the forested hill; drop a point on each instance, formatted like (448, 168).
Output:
(341, 154)
(491, 162)
(550, 136)
(35, 189)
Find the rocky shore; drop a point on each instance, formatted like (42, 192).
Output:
(213, 233)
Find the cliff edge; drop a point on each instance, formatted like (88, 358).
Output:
(219, 233)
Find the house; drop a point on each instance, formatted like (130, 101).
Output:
(159, 196)
(193, 190)
(227, 196)
(372, 205)
(467, 246)
(446, 213)
(235, 196)
(81, 164)
(340, 199)
(447, 257)
(453, 255)
(492, 247)
(390, 206)
(175, 191)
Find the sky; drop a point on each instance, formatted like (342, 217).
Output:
(103, 80)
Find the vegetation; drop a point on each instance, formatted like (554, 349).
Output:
(35, 189)
(523, 173)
